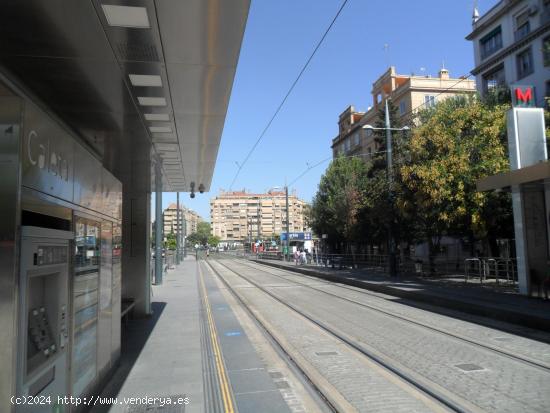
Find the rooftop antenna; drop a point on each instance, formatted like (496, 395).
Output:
(475, 13)
(387, 54)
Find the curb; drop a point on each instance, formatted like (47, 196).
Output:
(496, 313)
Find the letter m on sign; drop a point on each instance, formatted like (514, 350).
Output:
(523, 96)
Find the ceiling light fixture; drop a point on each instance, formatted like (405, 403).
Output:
(126, 16)
(160, 129)
(150, 101)
(146, 80)
(157, 116)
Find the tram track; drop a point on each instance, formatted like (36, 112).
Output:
(428, 389)
(278, 346)
(502, 352)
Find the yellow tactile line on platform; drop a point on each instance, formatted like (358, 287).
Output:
(220, 366)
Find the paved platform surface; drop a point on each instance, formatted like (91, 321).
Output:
(499, 304)
(179, 351)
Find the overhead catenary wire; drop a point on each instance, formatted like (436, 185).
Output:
(310, 167)
(292, 86)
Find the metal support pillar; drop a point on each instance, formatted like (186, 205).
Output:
(258, 218)
(178, 231)
(184, 236)
(287, 242)
(158, 226)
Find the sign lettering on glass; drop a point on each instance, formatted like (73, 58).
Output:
(43, 156)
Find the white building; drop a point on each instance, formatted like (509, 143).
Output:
(512, 46)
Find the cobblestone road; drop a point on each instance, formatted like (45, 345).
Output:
(363, 384)
(501, 384)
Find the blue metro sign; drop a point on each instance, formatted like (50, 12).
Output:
(297, 236)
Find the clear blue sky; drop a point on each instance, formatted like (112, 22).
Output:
(279, 37)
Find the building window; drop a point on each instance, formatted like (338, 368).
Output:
(522, 25)
(494, 79)
(356, 138)
(429, 101)
(402, 107)
(491, 43)
(546, 51)
(524, 62)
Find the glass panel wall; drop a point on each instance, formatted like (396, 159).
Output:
(85, 303)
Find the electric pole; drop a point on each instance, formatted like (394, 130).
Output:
(389, 172)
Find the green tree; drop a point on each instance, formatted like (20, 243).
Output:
(201, 235)
(379, 212)
(171, 242)
(458, 142)
(213, 240)
(336, 207)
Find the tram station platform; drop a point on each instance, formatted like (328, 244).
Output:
(487, 303)
(194, 347)
(204, 343)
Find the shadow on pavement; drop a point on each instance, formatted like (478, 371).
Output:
(135, 334)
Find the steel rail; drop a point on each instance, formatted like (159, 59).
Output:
(521, 359)
(278, 347)
(424, 388)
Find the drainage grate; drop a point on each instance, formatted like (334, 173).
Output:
(469, 367)
(326, 353)
(163, 404)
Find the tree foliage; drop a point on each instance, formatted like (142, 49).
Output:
(171, 242)
(457, 143)
(435, 170)
(213, 240)
(201, 235)
(337, 205)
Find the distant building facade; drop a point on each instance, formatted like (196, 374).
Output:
(408, 94)
(512, 46)
(242, 216)
(171, 224)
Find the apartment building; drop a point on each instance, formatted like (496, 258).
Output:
(408, 93)
(171, 223)
(512, 46)
(242, 216)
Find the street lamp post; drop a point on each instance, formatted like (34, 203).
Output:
(389, 174)
(178, 226)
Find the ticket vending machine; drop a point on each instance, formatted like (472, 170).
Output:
(44, 311)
